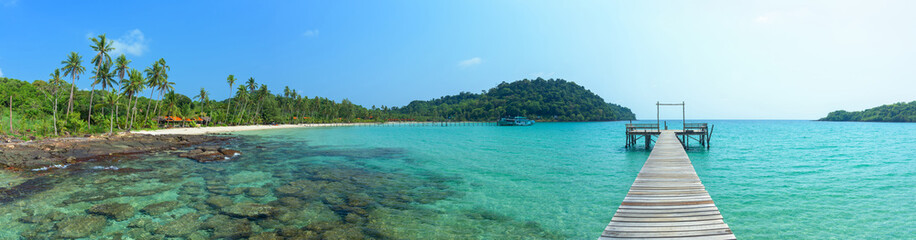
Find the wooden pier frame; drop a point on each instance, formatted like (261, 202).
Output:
(699, 132)
(667, 200)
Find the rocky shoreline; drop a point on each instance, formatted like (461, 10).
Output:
(59, 152)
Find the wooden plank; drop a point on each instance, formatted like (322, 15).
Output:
(667, 200)
(653, 234)
(664, 224)
(666, 228)
(717, 237)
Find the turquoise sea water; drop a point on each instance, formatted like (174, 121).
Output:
(770, 180)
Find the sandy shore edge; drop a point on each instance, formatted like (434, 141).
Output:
(226, 129)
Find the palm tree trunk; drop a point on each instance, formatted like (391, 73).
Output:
(111, 122)
(157, 104)
(244, 108)
(55, 115)
(117, 106)
(72, 87)
(228, 105)
(91, 95)
(146, 114)
(134, 115)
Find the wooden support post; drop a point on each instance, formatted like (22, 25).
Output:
(648, 141)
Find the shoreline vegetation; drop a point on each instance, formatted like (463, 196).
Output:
(897, 112)
(123, 98)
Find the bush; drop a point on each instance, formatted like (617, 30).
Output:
(72, 123)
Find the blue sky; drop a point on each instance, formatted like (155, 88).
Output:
(726, 59)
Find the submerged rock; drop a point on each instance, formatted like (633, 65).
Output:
(184, 225)
(266, 236)
(159, 208)
(116, 211)
(210, 154)
(144, 223)
(218, 201)
(257, 192)
(81, 226)
(249, 210)
(226, 227)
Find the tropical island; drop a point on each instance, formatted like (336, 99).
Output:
(897, 112)
(124, 98)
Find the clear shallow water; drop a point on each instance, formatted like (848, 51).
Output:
(770, 179)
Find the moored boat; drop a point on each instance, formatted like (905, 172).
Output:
(516, 121)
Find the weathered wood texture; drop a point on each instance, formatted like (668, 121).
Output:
(667, 200)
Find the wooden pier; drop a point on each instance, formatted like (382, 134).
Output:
(699, 132)
(667, 200)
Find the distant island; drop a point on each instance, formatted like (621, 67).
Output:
(539, 99)
(897, 112)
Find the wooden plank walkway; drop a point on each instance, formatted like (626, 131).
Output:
(667, 200)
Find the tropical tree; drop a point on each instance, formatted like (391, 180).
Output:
(242, 94)
(52, 90)
(103, 46)
(261, 94)
(203, 97)
(164, 84)
(121, 69)
(131, 87)
(103, 76)
(111, 98)
(171, 103)
(73, 67)
(231, 81)
(252, 87)
(152, 82)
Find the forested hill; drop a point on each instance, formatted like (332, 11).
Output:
(546, 100)
(897, 112)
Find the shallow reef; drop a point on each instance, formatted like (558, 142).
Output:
(273, 190)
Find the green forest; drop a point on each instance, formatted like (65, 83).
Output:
(897, 112)
(124, 97)
(539, 99)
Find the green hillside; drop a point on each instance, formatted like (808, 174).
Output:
(546, 100)
(897, 112)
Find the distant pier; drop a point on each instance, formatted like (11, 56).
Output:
(699, 132)
(667, 200)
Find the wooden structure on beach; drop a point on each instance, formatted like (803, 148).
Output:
(700, 132)
(173, 120)
(667, 200)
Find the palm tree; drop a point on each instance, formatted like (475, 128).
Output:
(171, 103)
(153, 80)
(261, 93)
(73, 66)
(105, 76)
(164, 84)
(101, 45)
(111, 98)
(121, 69)
(242, 94)
(231, 81)
(131, 87)
(53, 91)
(252, 87)
(203, 97)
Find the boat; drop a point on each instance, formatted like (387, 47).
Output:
(516, 121)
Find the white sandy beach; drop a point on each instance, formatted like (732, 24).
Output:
(226, 129)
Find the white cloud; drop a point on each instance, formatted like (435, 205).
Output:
(470, 62)
(762, 19)
(311, 33)
(132, 43)
(1, 72)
